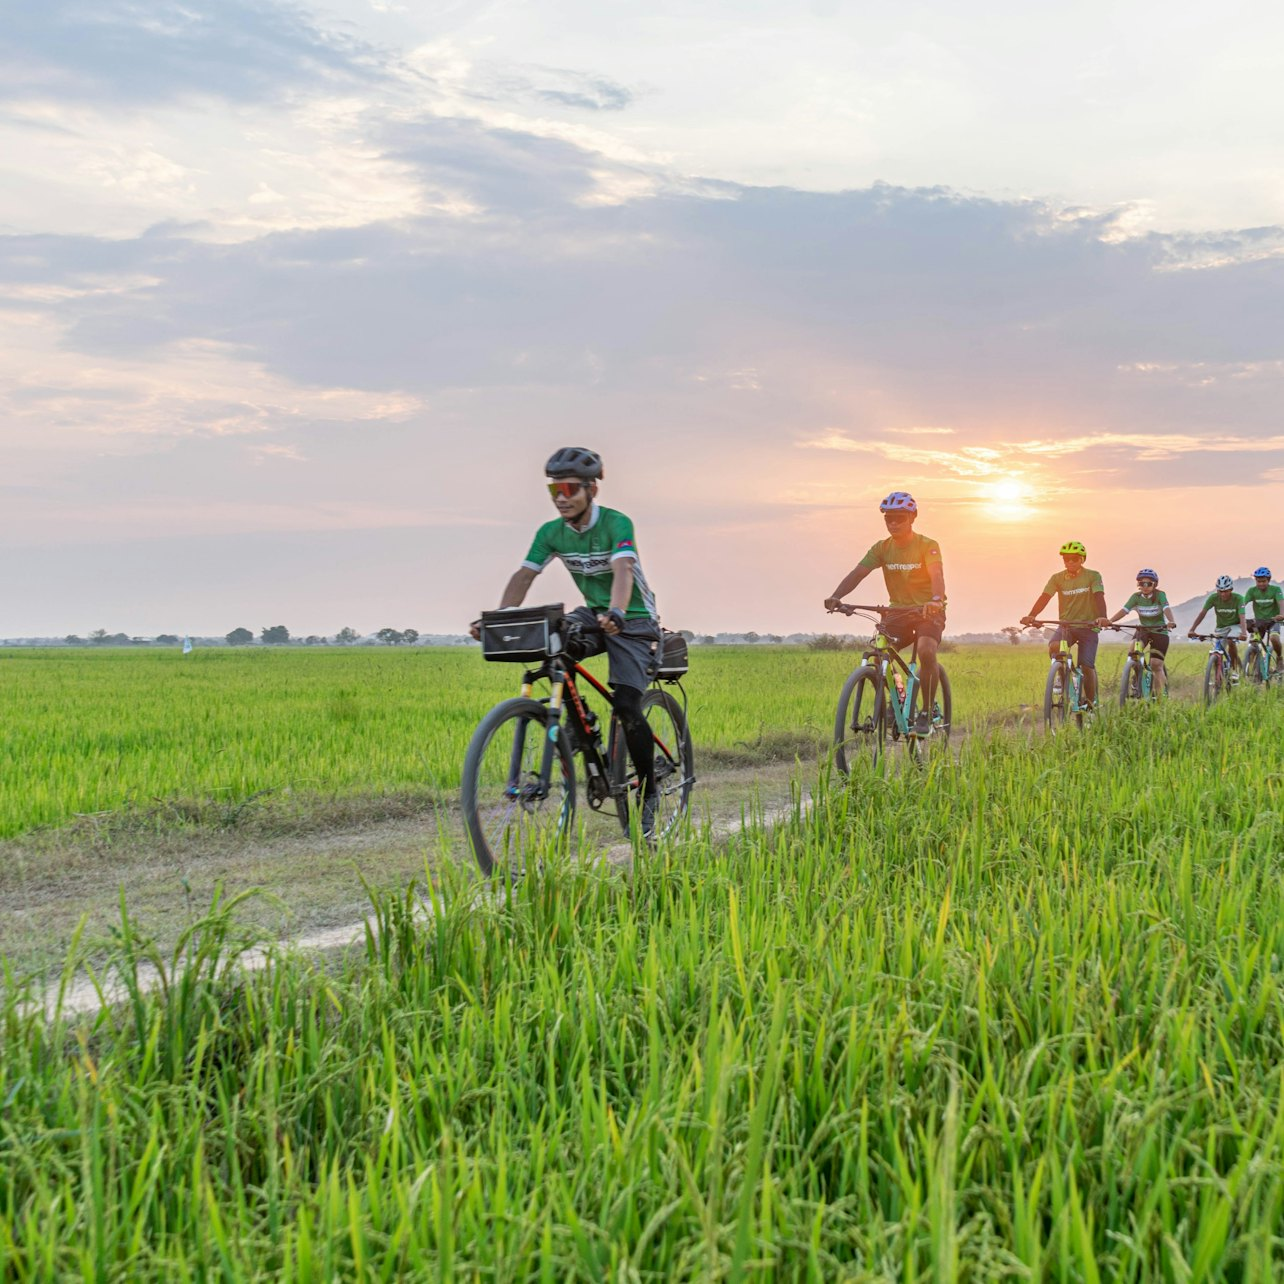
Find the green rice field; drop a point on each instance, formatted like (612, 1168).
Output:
(1015, 1016)
(84, 732)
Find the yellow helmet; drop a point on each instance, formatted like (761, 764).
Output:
(1072, 548)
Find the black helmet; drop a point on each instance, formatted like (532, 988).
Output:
(574, 461)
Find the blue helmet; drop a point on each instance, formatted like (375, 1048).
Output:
(1262, 572)
(1147, 574)
(898, 502)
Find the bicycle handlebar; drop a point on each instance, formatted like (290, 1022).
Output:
(1074, 624)
(851, 608)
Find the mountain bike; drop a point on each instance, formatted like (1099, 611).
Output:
(1261, 665)
(519, 780)
(1063, 691)
(879, 700)
(1137, 681)
(1219, 673)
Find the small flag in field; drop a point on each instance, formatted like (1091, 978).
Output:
(187, 644)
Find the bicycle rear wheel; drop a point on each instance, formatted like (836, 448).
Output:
(509, 816)
(942, 714)
(674, 763)
(860, 726)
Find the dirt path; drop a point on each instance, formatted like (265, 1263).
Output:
(313, 880)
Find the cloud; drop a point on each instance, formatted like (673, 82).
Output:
(146, 51)
(558, 86)
(870, 322)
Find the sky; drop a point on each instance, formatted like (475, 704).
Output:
(295, 301)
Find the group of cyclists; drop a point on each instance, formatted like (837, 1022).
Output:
(598, 547)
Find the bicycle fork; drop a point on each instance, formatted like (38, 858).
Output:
(539, 789)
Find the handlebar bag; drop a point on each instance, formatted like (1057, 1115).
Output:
(522, 634)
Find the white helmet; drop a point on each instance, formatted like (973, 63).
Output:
(1225, 583)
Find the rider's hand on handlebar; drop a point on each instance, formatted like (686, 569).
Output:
(934, 607)
(1104, 622)
(1027, 620)
(612, 621)
(833, 603)
(1191, 634)
(474, 630)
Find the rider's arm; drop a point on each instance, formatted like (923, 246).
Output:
(1168, 615)
(1039, 603)
(514, 595)
(936, 573)
(849, 582)
(1118, 615)
(517, 588)
(621, 592)
(1243, 628)
(1194, 628)
(1099, 605)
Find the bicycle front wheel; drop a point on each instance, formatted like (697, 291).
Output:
(1255, 664)
(860, 726)
(942, 714)
(512, 816)
(1130, 684)
(1214, 678)
(1057, 695)
(674, 763)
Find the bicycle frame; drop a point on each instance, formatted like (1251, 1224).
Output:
(1067, 656)
(1259, 654)
(1074, 673)
(1219, 669)
(1140, 652)
(586, 736)
(900, 679)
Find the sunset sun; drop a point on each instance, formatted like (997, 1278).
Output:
(1012, 498)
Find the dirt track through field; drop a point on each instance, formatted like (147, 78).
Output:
(85, 995)
(316, 902)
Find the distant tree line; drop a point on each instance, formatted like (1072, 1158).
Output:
(269, 635)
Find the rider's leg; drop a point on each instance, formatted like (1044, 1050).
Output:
(637, 735)
(1087, 640)
(927, 671)
(1157, 673)
(1275, 642)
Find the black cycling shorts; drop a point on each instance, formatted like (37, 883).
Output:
(1158, 639)
(632, 654)
(1261, 627)
(904, 627)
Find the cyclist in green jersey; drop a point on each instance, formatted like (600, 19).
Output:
(1266, 600)
(915, 581)
(597, 546)
(1228, 614)
(1157, 623)
(1081, 602)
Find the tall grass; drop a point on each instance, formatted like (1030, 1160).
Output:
(1016, 1017)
